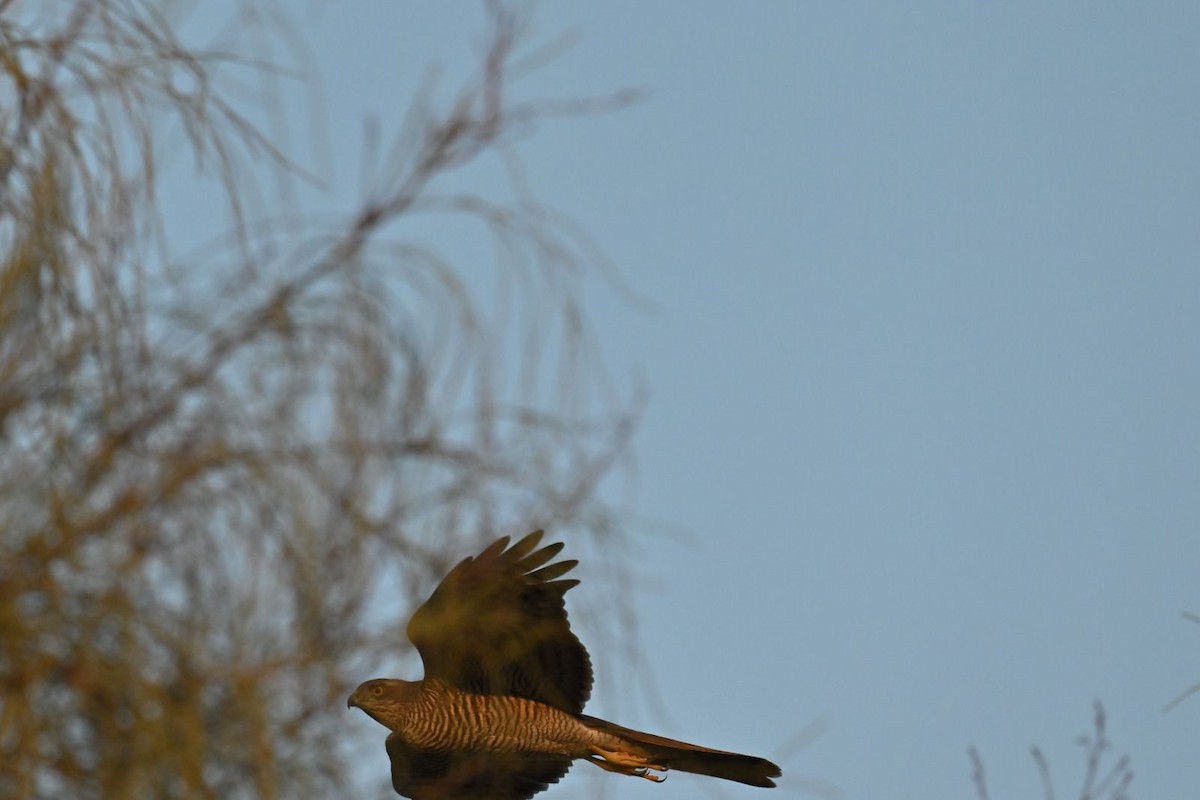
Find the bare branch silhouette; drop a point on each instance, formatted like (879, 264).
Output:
(1098, 783)
(1191, 690)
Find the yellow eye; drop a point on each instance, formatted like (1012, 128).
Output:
(377, 691)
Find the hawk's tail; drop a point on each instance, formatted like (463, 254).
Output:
(673, 754)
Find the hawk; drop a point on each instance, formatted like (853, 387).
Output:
(499, 714)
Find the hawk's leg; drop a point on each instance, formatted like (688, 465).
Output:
(626, 764)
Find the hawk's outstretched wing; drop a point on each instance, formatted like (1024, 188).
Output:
(458, 775)
(497, 625)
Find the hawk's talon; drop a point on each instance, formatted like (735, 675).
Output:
(644, 772)
(627, 764)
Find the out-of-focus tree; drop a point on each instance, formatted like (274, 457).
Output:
(224, 481)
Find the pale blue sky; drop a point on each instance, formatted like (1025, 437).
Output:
(924, 365)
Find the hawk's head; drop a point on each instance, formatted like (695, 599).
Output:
(385, 699)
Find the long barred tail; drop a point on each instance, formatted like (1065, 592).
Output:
(674, 754)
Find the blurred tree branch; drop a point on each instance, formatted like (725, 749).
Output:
(1111, 783)
(1191, 690)
(216, 477)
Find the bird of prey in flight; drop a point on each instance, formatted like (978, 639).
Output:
(499, 714)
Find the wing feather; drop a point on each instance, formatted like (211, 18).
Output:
(455, 775)
(497, 624)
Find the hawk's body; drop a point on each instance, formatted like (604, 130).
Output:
(499, 714)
